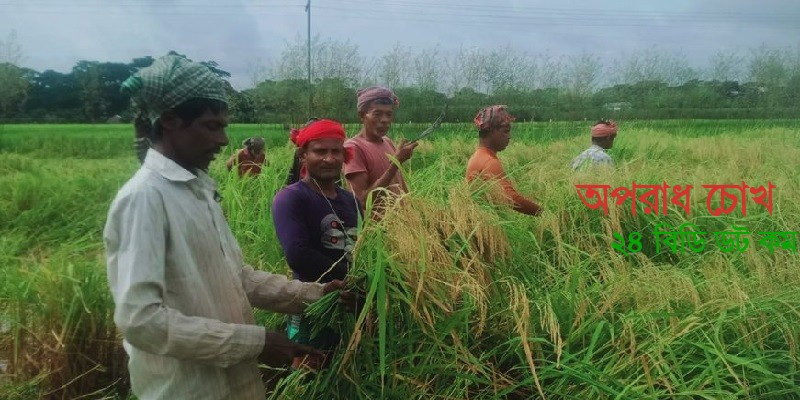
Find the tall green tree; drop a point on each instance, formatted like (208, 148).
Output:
(92, 94)
(13, 79)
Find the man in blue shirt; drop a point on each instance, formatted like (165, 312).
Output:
(603, 135)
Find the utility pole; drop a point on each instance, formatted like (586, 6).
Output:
(308, 60)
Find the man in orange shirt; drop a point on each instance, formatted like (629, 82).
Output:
(494, 132)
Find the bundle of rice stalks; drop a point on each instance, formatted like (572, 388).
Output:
(428, 273)
(442, 252)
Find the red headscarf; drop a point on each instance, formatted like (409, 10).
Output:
(373, 93)
(320, 129)
(492, 116)
(602, 130)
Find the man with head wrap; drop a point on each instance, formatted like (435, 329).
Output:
(494, 134)
(250, 158)
(371, 168)
(316, 221)
(181, 291)
(603, 135)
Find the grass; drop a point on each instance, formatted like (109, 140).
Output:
(465, 299)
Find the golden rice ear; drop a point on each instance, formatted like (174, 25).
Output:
(442, 251)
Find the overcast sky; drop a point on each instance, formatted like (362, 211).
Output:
(54, 34)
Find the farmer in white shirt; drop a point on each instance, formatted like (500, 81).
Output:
(603, 135)
(183, 295)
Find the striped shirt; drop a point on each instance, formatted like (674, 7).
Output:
(594, 155)
(182, 293)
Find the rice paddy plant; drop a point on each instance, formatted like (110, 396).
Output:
(464, 297)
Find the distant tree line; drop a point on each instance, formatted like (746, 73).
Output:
(646, 84)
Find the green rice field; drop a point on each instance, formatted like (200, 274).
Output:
(466, 299)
